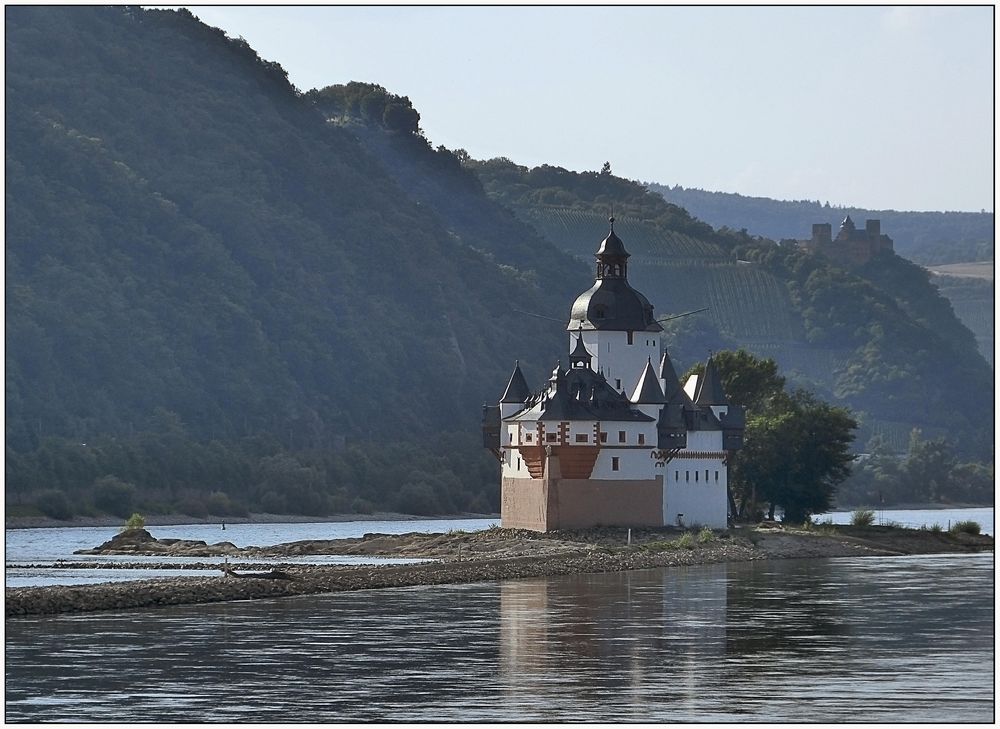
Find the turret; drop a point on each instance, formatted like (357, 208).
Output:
(516, 392)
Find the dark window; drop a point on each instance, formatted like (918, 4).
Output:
(614, 463)
(642, 439)
(677, 475)
(629, 337)
(687, 475)
(551, 437)
(716, 475)
(696, 476)
(618, 384)
(621, 436)
(604, 437)
(706, 475)
(582, 438)
(528, 437)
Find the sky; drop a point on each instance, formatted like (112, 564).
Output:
(874, 107)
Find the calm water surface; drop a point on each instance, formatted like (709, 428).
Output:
(32, 555)
(887, 640)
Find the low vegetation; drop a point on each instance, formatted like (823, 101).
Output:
(966, 527)
(862, 517)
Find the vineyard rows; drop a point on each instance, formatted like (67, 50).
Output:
(579, 232)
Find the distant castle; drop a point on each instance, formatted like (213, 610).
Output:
(580, 452)
(851, 247)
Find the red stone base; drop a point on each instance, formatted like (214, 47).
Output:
(543, 505)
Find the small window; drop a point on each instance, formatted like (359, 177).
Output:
(604, 437)
(614, 463)
(629, 337)
(706, 475)
(518, 464)
(677, 475)
(618, 384)
(527, 437)
(582, 438)
(510, 437)
(716, 475)
(696, 477)
(621, 436)
(551, 437)
(687, 475)
(642, 439)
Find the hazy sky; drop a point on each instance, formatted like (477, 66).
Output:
(874, 107)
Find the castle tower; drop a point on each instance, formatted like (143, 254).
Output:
(614, 320)
(613, 440)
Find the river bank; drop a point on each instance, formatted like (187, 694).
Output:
(492, 554)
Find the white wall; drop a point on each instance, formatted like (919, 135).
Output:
(633, 462)
(620, 361)
(702, 504)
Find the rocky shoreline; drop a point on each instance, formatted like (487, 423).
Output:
(460, 557)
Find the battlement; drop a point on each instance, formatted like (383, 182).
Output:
(851, 247)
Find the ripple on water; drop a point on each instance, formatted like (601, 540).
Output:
(801, 641)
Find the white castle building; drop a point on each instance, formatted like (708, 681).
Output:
(614, 440)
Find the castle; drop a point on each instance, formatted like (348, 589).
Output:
(851, 247)
(614, 439)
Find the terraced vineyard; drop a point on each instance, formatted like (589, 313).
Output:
(574, 231)
(973, 301)
(680, 273)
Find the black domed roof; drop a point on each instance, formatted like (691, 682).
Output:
(612, 246)
(611, 304)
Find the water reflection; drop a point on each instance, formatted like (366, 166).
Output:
(907, 639)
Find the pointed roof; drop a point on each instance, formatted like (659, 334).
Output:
(669, 376)
(710, 390)
(647, 390)
(848, 223)
(517, 388)
(580, 353)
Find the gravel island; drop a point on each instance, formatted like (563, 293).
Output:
(458, 557)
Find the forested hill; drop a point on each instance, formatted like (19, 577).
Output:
(924, 237)
(210, 289)
(879, 339)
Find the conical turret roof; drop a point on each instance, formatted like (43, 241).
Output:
(710, 390)
(517, 388)
(647, 390)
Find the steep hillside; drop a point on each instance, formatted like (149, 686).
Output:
(925, 237)
(879, 339)
(192, 250)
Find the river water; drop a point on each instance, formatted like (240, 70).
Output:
(901, 639)
(33, 555)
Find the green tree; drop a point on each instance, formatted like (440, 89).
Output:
(797, 448)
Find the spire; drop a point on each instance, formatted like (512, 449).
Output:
(671, 384)
(612, 258)
(579, 357)
(647, 390)
(517, 388)
(848, 223)
(710, 390)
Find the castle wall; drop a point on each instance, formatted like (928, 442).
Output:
(543, 505)
(702, 504)
(622, 363)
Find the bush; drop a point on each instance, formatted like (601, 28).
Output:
(362, 506)
(705, 536)
(965, 527)
(53, 503)
(113, 496)
(862, 517)
(686, 541)
(136, 521)
(935, 527)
